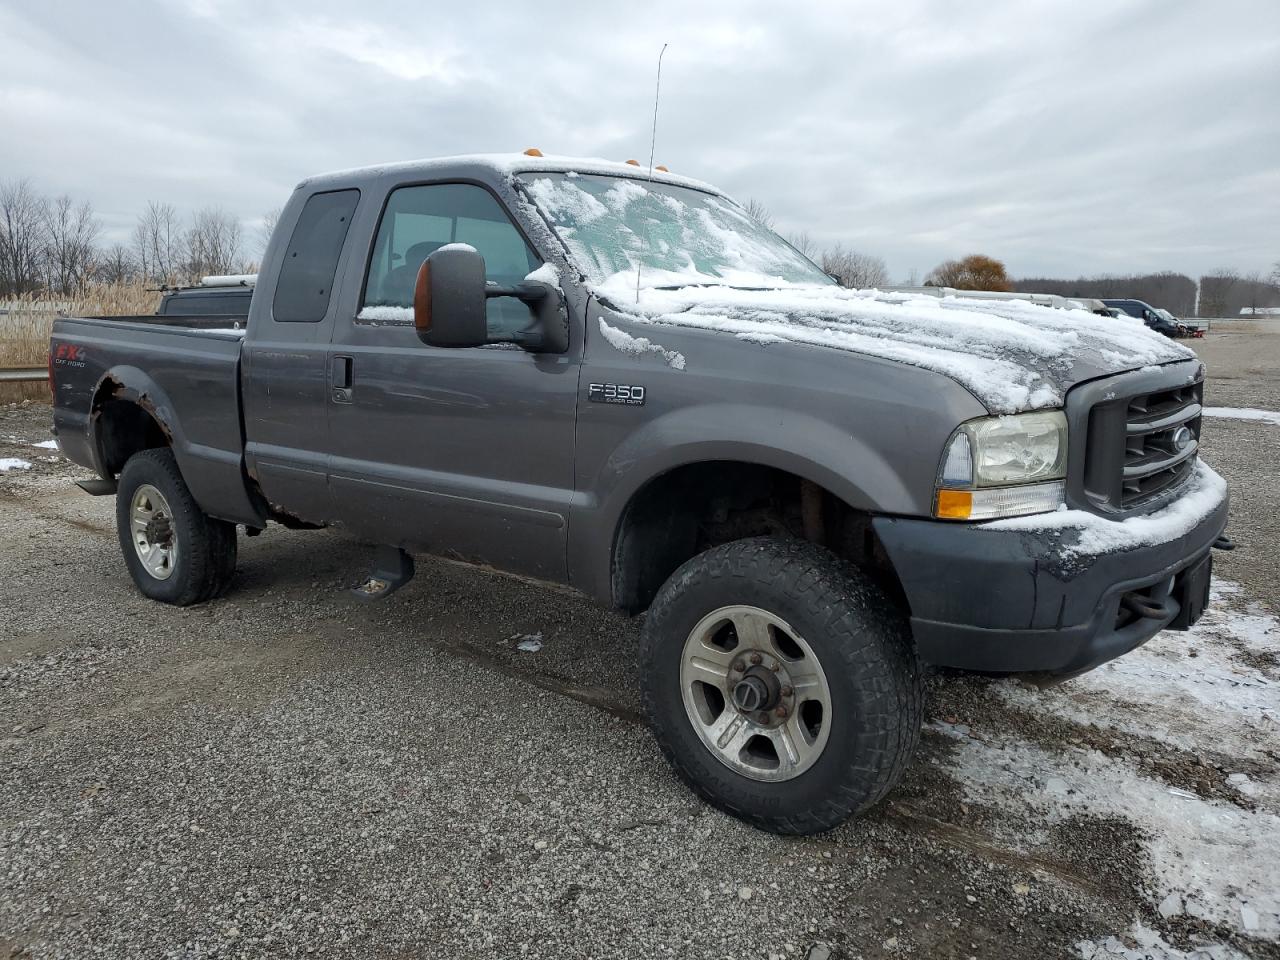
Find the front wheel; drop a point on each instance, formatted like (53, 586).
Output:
(175, 552)
(781, 684)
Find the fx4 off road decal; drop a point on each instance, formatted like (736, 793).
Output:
(68, 355)
(632, 396)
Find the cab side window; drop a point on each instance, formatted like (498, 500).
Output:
(420, 220)
(311, 259)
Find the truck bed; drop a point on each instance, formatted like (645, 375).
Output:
(184, 372)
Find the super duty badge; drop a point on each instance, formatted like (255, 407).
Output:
(632, 396)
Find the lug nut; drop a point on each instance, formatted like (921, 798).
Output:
(755, 659)
(737, 668)
(764, 716)
(787, 691)
(781, 712)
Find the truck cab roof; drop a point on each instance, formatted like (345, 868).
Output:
(492, 166)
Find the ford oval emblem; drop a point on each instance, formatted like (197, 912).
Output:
(1182, 439)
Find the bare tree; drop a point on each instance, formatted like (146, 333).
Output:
(857, 270)
(1217, 289)
(758, 212)
(70, 239)
(115, 265)
(22, 228)
(213, 243)
(267, 227)
(159, 243)
(804, 243)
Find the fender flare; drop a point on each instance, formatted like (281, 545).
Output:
(133, 385)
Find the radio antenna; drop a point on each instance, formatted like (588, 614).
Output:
(657, 89)
(653, 142)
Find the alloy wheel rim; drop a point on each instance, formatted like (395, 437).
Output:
(152, 533)
(755, 693)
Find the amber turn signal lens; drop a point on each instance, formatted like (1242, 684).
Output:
(422, 298)
(954, 504)
(662, 168)
(533, 152)
(633, 163)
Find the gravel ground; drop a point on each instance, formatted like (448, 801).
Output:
(288, 772)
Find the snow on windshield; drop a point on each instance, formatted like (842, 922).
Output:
(1012, 354)
(674, 235)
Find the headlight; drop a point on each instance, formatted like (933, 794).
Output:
(1003, 467)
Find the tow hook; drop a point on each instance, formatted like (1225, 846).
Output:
(1224, 543)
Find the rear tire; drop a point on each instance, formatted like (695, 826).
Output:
(767, 608)
(175, 552)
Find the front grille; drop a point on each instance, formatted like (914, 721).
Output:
(1141, 438)
(1154, 460)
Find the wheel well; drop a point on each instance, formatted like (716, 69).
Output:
(698, 506)
(124, 427)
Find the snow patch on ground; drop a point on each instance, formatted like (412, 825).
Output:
(639, 346)
(1194, 690)
(1011, 354)
(1217, 860)
(13, 463)
(1243, 413)
(47, 444)
(1095, 534)
(1151, 946)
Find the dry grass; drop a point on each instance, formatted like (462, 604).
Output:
(25, 326)
(26, 322)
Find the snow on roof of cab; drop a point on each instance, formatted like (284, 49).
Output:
(513, 163)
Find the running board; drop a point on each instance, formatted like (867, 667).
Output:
(97, 487)
(392, 569)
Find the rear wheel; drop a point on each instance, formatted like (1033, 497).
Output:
(175, 553)
(781, 684)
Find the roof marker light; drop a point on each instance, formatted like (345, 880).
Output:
(662, 168)
(533, 152)
(633, 163)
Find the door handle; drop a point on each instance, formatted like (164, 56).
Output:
(340, 380)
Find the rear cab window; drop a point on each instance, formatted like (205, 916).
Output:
(306, 277)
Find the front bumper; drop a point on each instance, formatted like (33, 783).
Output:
(1008, 601)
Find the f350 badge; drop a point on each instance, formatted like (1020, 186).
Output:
(631, 395)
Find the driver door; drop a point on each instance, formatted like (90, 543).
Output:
(466, 452)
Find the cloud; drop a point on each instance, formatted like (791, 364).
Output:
(1064, 137)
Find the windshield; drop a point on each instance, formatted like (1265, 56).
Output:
(676, 236)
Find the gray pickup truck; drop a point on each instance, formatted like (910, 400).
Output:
(598, 375)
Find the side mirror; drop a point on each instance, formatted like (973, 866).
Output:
(448, 298)
(449, 301)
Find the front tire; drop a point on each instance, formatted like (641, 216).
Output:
(781, 684)
(175, 552)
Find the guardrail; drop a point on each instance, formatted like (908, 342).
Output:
(24, 375)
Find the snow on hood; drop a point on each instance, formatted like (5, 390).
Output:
(1013, 355)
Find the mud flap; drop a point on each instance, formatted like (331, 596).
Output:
(392, 569)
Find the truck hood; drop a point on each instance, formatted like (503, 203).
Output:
(1012, 355)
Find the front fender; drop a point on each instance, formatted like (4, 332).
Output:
(800, 444)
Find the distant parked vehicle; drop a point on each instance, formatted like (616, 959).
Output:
(1159, 320)
(227, 296)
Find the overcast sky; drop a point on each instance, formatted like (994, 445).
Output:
(1063, 137)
